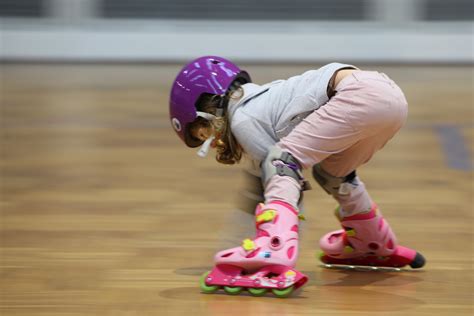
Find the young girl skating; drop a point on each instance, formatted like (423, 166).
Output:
(332, 120)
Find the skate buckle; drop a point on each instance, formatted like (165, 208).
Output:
(348, 249)
(266, 216)
(248, 244)
(350, 232)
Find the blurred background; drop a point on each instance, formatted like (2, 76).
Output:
(104, 211)
(422, 31)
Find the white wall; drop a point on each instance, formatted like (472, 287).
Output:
(73, 33)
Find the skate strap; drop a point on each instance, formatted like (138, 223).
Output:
(372, 212)
(269, 215)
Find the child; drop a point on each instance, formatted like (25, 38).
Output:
(332, 120)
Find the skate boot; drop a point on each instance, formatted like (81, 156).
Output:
(264, 263)
(366, 241)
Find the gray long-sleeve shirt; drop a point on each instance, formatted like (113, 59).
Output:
(267, 113)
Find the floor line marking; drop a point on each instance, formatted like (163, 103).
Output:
(454, 147)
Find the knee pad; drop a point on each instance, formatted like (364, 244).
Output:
(282, 163)
(336, 186)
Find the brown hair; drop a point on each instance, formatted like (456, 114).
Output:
(228, 149)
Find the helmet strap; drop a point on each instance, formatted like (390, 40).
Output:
(207, 116)
(221, 107)
(204, 150)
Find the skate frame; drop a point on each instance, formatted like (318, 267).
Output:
(364, 268)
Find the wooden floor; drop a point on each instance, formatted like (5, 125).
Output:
(105, 212)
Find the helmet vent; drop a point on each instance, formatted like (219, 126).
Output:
(176, 124)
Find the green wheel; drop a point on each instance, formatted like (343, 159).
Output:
(257, 292)
(207, 288)
(233, 290)
(283, 292)
(321, 256)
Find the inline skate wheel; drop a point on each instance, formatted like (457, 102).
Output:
(320, 256)
(207, 288)
(233, 290)
(283, 292)
(418, 262)
(257, 292)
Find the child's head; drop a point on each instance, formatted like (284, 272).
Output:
(204, 87)
(228, 151)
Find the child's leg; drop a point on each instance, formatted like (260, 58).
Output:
(367, 111)
(365, 114)
(340, 168)
(339, 137)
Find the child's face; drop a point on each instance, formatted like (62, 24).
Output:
(201, 131)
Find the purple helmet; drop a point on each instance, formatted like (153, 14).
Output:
(208, 74)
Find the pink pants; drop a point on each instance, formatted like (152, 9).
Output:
(366, 112)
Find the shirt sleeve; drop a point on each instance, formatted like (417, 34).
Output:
(256, 142)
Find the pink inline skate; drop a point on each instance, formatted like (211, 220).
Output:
(366, 241)
(264, 263)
